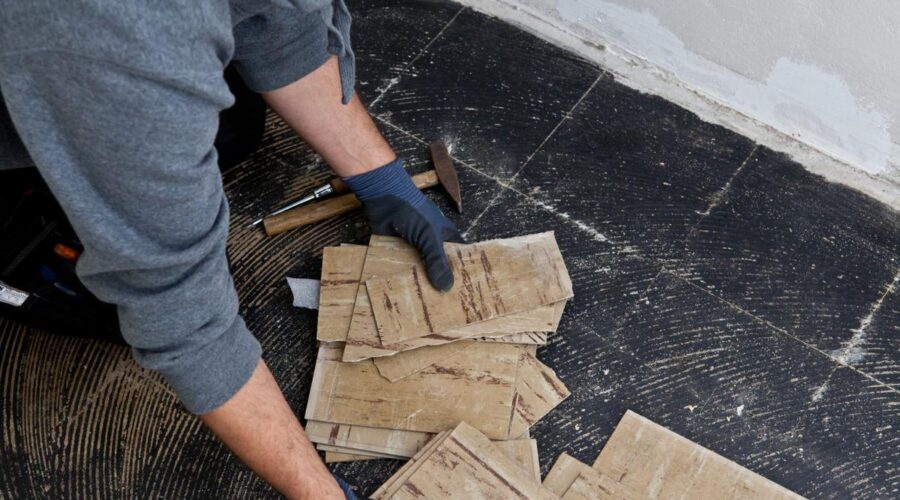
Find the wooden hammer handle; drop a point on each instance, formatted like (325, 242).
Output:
(332, 207)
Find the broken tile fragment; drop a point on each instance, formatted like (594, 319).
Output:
(564, 472)
(648, 460)
(428, 401)
(341, 271)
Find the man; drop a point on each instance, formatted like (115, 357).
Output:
(117, 104)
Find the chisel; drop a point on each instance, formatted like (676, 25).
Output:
(334, 186)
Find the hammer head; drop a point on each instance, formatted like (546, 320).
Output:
(446, 172)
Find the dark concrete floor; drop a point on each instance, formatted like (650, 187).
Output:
(720, 289)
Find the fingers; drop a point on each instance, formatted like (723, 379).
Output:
(425, 227)
(436, 263)
(381, 216)
(451, 234)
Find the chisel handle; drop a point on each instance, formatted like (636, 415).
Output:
(339, 186)
(332, 207)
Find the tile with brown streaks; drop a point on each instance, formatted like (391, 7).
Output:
(521, 451)
(387, 256)
(538, 391)
(334, 457)
(524, 452)
(493, 279)
(467, 461)
(404, 364)
(591, 485)
(372, 439)
(564, 472)
(403, 473)
(364, 455)
(650, 460)
(341, 270)
(428, 401)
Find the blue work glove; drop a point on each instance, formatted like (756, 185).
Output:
(348, 491)
(396, 207)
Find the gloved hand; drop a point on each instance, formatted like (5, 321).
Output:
(345, 487)
(396, 207)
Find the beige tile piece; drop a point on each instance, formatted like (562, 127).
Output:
(404, 364)
(479, 388)
(388, 256)
(333, 457)
(362, 453)
(403, 473)
(563, 473)
(524, 452)
(494, 278)
(538, 391)
(372, 439)
(654, 462)
(341, 270)
(533, 338)
(466, 463)
(591, 485)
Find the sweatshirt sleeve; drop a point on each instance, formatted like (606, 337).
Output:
(291, 38)
(123, 131)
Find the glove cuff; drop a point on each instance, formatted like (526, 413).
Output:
(387, 180)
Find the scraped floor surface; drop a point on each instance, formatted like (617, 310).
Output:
(721, 290)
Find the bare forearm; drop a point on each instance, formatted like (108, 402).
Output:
(259, 427)
(344, 135)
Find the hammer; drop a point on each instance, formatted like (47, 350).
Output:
(444, 173)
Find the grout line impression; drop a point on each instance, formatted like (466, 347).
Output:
(595, 235)
(512, 180)
(624, 249)
(396, 79)
(852, 349)
(783, 332)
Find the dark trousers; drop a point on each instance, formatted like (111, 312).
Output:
(241, 126)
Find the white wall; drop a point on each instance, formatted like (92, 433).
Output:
(826, 72)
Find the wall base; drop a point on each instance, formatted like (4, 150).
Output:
(643, 75)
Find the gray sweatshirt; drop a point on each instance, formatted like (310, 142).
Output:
(117, 103)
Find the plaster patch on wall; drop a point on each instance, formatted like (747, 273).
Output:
(819, 109)
(799, 99)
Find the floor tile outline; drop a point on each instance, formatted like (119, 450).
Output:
(635, 253)
(394, 81)
(841, 355)
(528, 159)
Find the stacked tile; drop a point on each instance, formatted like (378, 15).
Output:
(645, 460)
(463, 463)
(393, 372)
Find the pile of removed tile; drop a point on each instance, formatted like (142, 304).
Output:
(400, 362)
